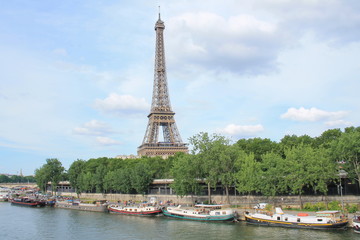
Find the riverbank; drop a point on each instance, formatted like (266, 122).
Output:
(246, 202)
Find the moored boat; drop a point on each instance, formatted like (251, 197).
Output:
(24, 201)
(356, 223)
(98, 206)
(322, 220)
(201, 212)
(141, 210)
(4, 194)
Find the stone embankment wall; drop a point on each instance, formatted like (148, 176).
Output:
(242, 201)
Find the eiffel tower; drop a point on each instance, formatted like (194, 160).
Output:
(161, 114)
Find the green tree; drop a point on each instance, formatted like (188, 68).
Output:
(4, 179)
(347, 150)
(248, 177)
(186, 175)
(74, 174)
(257, 146)
(42, 177)
(227, 167)
(274, 170)
(141, 178)
(55, 171)
(208, 149)
(328, 137)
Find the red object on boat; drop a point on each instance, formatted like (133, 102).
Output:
(303, 214)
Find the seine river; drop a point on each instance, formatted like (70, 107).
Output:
(18, 222)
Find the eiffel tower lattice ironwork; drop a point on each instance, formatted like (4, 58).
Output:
(161, 114)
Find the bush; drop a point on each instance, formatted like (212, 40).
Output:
(308, 206)
(352, 208)
(334, 205)
(315, 207)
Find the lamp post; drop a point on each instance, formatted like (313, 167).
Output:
(342, 174)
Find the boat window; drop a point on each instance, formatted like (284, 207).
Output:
(298, 220)
(286, 219)
(278, 218)
(224, 213)
(217, 213)
(319, 220)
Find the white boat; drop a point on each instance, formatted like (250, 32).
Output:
(141, 210)
(356, 223)
(322, 220)
(4, 194)
(201, 212)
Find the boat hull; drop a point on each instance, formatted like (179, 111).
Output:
(28, 204)
(229, 217)
(274, 223)
(140, 213)
(356, 226)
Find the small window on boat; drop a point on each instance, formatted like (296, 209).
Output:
(278, 218)
(319, 220)
(298, 220)
(286, 219)
(217, 213)
(224, 213)
(135, 210)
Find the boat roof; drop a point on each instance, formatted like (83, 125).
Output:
(328, 212)
(208, 205)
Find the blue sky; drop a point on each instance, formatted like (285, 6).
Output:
(76, 76)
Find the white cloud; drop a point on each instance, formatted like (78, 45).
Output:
(338, 123)
(107, 141)
(121, 104)
(93, 128)
(240, 43)
(311, 115)
(241, 130)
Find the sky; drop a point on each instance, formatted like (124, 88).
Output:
(76, 76)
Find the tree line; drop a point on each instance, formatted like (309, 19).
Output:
(256, 165)
(16, 179)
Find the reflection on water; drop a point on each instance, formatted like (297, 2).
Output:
(48, 223)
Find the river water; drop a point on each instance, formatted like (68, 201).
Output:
(17, 222)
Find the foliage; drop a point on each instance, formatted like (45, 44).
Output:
(52, 171)
(16, 179)
(257, 146)
(334, 205)
(74, 174)
(319, 206)
(352, 208)
(248, 177)
(274, 170)
(347, 150)
(252, 165)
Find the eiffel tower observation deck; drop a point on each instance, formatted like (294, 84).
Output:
(161, 114)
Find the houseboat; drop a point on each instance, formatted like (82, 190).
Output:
(141, 210)
(4, 194)
(98, 206)
(25, 201)
(201, 212)
(356, 223)
(322, 220)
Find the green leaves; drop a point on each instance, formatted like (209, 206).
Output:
(52, 172)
